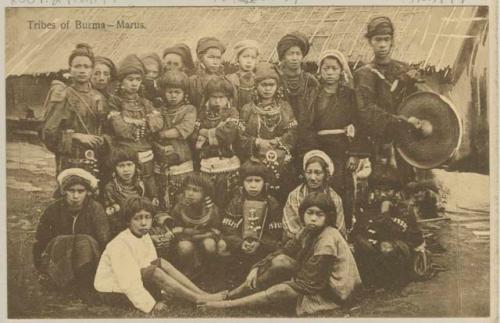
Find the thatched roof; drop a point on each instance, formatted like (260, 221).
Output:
(429, 36)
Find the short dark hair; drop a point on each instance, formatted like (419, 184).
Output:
(135, 204)
(120, 154)
(201, 180)
(324, 202)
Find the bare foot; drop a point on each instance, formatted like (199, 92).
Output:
(220, 296)
(219, 304)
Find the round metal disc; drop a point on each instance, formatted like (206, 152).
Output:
(439, 147)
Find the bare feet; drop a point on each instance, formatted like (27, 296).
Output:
(216, 304)
(220, 296)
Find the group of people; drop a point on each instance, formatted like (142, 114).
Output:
(167, 169)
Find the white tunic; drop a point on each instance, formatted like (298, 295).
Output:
(119, 269)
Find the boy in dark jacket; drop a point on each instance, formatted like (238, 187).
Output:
(252, 223)
(71, 233)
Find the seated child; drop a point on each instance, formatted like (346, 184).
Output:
(197, 224)
(216, 137)
(173, 160)
(162, 235)
(126, 182)
(130, 271)
(252, 223)
(246, 53)
(72, 232)
(316, 271)
(387, 240)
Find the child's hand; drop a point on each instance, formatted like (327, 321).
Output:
(155, 202)
(177, 230)
(110, 210)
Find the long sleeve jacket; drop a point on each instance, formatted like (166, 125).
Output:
(257, 124)
(270, 223)
(119, 270)
(222, 128)
(335, 111)
(58, 220)
(133, 122)
(377, 104)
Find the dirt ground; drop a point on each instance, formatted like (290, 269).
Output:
(462, 290)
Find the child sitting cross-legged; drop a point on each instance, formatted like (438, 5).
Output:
(316, 270)
(252, 223)
(131, 272)
(196, 224)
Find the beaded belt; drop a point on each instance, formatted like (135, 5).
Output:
(216, 165)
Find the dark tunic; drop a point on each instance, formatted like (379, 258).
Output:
(399, 228)
(196, 221)
(224, 124)
(71, 111)
(244, 84)
(270, 223)
(329, 111)
(126, 132)
(325, 270)
(197, 84)
(377, 105)
(116, 194)
(133, 123)
(58, 220)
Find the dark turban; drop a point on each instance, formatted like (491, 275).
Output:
(295, 38)
(209, 42)
(379, 26)
(130, 65)
(184, 52)
(265, 71)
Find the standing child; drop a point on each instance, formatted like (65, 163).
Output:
(172, 152)
(134, 120)
(75, 115)
(125, 183)
(178, 58)
(246, 53)
(197, 224)
(332, 125)
(252, 222)
(130, 271)
(299, 86)
(270, 129)
(316, 271)
(216, 138)
(209, 51)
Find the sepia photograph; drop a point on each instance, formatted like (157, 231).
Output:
(251, 162)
